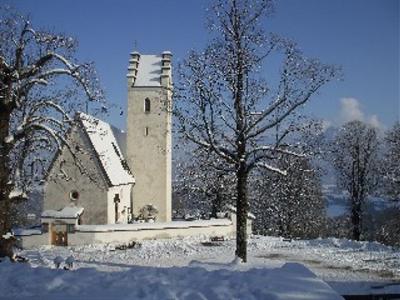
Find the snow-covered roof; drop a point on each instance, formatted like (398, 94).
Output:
(107, 149)
(149, 71)
(69, 212)
(26, 232)
(120, 136)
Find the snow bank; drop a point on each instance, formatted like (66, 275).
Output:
(367, 288)
(344, 244)
(292, 281)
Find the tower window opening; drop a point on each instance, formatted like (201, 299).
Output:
(147, 105)
(146, 131)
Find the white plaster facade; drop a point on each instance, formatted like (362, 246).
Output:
(149, 131)
(124, 206)
(96, 152)
(105, 190)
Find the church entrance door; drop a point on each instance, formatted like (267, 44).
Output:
(59, 236)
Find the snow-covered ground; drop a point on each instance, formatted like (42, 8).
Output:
(330, 259)
(198, 270)
(292, 281)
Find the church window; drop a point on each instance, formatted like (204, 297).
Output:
(146, 131)
(74, 195)
(147, 105)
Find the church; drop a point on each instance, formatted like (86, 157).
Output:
(105, 176)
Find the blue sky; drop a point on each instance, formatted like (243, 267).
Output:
(360, 35)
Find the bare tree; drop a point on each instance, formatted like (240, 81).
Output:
(40, 85)
(389, 231)
(391, 160)
(354, 156)
(225, 107)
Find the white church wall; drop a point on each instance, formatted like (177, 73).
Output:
(124, 192)
(65, 177)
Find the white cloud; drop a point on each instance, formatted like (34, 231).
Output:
(351, 110)
(374, 121)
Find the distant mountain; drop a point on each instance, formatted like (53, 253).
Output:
(337, 202)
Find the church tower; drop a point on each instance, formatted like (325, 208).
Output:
(149, 131)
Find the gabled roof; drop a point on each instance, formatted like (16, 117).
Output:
(149, 71)
(107, 150)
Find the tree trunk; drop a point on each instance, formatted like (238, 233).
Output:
(5, 223)
(242, 210)
(356, 219)
(216, 204)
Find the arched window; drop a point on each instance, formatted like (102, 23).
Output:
(147, 105)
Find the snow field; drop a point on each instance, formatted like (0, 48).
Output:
(292, 281)
(331, 259)
(187, 269)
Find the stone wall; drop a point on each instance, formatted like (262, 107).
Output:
(124, 233)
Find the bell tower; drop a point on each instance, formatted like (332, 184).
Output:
(149, 131)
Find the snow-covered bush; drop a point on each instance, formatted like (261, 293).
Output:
(58, 260)
(148, 213)
(69, 262)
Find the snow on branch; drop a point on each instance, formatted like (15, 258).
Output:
(47, 104)
(275, 149)
(271, 168)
